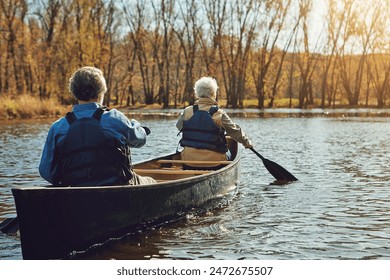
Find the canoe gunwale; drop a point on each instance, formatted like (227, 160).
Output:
(167, 183)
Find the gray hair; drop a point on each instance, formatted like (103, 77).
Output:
(206, 87)
(87, 84)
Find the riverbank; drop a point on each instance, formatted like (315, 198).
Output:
(27, 107)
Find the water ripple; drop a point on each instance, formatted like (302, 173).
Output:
(339, 208)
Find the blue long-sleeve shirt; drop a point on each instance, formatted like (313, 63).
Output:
(113, 122)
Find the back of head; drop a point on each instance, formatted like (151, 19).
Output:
(87, 84)
(206, 87)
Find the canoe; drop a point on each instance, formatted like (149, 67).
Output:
(55, 222)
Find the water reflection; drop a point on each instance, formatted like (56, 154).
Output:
(339, 208)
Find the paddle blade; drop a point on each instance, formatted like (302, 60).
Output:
(9, 226)
(278, 171)
(275, 169)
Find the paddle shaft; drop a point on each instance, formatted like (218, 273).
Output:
(260, 156)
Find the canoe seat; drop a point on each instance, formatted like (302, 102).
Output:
(197, 162)
(170, 171)
(179, 161)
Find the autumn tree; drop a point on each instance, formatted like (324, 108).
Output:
(211, 33)
(13, 13)
(308, 58)
(104, 27)
(269, 34)
(188, 32)
(136, 17)
(235, 47)
(358, 31)
(152, 51)
(378, 63)
(162, 43)
(333, 28)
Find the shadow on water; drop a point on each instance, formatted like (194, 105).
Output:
(150, 241)
(142, 245)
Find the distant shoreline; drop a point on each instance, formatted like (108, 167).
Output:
(266, 113)
(29, 108)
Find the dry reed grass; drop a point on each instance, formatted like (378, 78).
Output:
(26, 107)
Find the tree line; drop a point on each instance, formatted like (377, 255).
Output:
(323, 52)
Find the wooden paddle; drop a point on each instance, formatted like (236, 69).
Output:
(275, 169)
(9, 226)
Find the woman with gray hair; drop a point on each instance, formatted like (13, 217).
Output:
(204, 127)
(90, 146)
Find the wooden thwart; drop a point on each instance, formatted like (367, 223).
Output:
(197, 162)
(170, 171)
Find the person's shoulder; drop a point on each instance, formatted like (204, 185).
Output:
(220, 110)
(61, 121)
(115, 113)
(188, 109)
(113, 116)
(111, 110)
(59, 126)
(116, 118)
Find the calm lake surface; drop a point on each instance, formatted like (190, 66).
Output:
(339, 208)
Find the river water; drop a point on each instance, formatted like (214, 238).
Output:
(339, 208)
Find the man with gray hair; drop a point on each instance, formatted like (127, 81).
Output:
(205, 126)
(90, 146)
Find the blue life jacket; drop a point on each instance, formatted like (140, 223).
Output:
(201, 132)
(87, 157)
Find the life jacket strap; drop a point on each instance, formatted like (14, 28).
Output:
(99, 112)
(213, 109)
(70, 116)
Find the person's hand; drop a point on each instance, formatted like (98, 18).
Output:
(248, 145)
(147, 130)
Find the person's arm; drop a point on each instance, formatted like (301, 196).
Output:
(45, 165)
(235, 131)
(179, 123)
(128, 132)
(136, 134)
